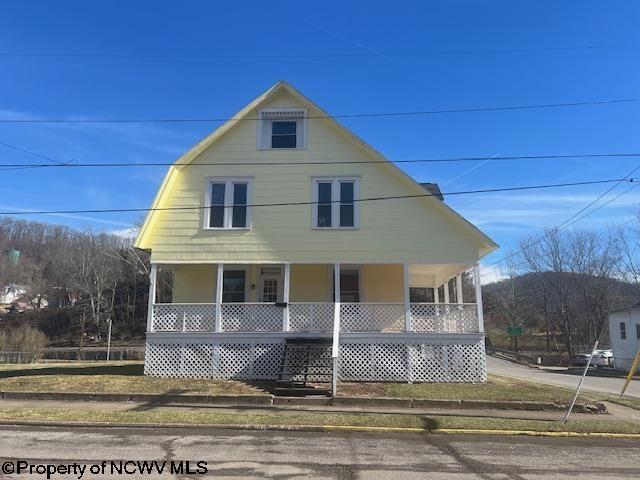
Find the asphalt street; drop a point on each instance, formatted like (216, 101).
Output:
(560, 377)
(242, 454)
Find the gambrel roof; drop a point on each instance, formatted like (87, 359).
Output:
(142, 241)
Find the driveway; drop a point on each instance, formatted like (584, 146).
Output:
(608, 385)
(241, 454)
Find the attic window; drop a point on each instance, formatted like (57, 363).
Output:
(282, 128)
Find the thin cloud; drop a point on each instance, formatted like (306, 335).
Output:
(490, 274)
(69, 215)
(475, 167)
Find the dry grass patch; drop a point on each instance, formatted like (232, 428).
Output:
(496, 388)
(121, 377)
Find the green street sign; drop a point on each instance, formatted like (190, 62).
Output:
(514, 330)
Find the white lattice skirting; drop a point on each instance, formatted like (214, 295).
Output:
(393, 359)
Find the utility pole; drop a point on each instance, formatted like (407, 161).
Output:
(109, 340)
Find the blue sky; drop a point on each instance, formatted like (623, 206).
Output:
(94, 88)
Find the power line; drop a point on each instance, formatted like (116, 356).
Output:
(312, 117)
(397, 53)
(26, 166)
(566, 223)
(360, 200)
(328, 162)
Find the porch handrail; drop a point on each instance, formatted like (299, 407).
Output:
(317, 317)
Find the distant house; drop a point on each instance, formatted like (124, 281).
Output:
(285, 258)
(624, 331)
(12, 293)
(17, 297)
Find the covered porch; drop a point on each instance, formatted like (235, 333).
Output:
(318, 299)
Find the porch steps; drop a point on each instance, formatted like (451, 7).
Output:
(306, 368)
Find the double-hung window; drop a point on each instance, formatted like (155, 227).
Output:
(233, 286)
(335, 202)
(623, 331)
(421, 295)
(284, 128)
(227, 203)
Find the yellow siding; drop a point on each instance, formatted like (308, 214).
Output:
(409, 230)
(311, 283)
(194, 284)
(381, 283)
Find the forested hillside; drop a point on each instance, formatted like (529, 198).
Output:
(85, 278)
(565, 284)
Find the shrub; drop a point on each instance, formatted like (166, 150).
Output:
(27, 340)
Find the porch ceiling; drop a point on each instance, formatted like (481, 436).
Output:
(434, 275)
(425, 275)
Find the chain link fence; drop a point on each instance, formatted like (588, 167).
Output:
(72, 354)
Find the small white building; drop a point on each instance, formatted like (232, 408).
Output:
(11, 293)
(624, 330)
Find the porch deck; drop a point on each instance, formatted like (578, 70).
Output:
(378, 332)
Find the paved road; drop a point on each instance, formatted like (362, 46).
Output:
(607, 385)
(288, 455)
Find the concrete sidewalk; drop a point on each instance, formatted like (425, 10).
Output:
(616, 412)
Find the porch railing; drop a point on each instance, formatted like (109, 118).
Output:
(372, 317)
(444, 317)
(311, 317)
(316, 317)
(251, 317)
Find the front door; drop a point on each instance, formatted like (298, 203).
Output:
(269, 289)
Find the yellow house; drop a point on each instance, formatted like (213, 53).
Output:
(299, 253)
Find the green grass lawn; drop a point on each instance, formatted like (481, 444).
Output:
(430, 422)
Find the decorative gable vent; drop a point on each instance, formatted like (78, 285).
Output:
(283, 113)
(282, 128)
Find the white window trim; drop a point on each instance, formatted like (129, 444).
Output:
(343, 267)
(263, 134)
(335, 202)
(238, 268)
(228, 202)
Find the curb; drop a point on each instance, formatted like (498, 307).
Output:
(228, 400)
(270, 400)
(321, 428)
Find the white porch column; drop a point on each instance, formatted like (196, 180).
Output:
(336, 307)
(446, 291)
(436, 294)
(285, 296)
(407, 301)
(335, 349)
(476, 280)
(219, 280)
(153, 274)
(459, 289)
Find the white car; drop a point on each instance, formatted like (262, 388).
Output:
(602, 358)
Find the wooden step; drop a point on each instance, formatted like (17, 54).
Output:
(315, 379)
(310, 340)
(305, 365)
(301, 392)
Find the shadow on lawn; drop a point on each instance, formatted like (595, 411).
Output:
(126, 370)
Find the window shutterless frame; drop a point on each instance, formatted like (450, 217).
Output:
(340, 207)
(232, 211)
(264, 132)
